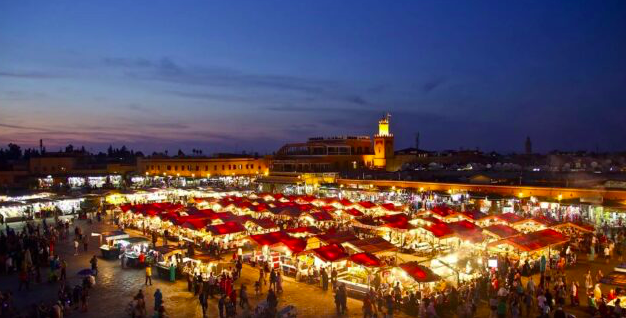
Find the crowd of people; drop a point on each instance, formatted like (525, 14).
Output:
(30, 255)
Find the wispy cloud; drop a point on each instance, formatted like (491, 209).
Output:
(432, 85)
(27, 74)
(246, 84)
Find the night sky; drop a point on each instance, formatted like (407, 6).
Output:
(253, 75)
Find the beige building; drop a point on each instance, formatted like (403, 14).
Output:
(203, 167)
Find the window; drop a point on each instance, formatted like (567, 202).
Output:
(175, 168)
(169, 167)
(229, 167)
(239, 167)
(182, 168)
(215, 167)
(222, 167)
(197, 168)
(159, 167)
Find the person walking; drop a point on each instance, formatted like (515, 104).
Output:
(239, 267)
(204, 302)
(158, 299)
(279, 282)
(63, 270)
(588, 281)
(148, 275)
(243, 297)
(94, 265)
(76, 246)
(273, 279)
(574, 294)
(221, 305)
(324, 279)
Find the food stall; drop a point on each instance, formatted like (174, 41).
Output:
(384, 251)
(412, 276)
(319, 219)
(168, 261)
(258, 226)
(202, 265)
(110, 249)
(529, 246)
(134, 249)
(312, 261)
(279, 249)
(232, 234)
(359, 275)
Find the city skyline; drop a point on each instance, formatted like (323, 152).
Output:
(253, 76)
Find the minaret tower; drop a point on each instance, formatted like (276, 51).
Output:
(383, 143)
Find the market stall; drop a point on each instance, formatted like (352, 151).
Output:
(133, 250)
(278, 249)
(359, 275)
(168, 261)
(110, 250)
(411, 276)
(201, 265)
(531, 245)
(477, 217)
(232, 234)
(311, 262)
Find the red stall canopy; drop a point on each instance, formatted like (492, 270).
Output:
(269, 239)
(264, 223)
(476, 215)
(509, 218)
(331, 253)
(226, 228)
(336, 238)
(501, 230)
(373, 245)
(366, 259)
(535, 240)
(354, 212)
(195, 223)
(466, 230)
(419, 273)
(367, 204)
(321, 216)
(389, 207)
(346, 202)
(439, 230)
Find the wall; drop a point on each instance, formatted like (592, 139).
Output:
(198, 167)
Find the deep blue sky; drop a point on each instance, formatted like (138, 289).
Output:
(252, 75)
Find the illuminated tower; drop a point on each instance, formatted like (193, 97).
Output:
(383, 143)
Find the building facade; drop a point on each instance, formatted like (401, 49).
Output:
(203, 167)
(334, 154)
